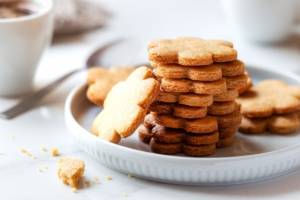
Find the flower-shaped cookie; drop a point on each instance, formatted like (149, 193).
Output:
(126, 106)
(101, 80)
(270, 97)
(191, 51)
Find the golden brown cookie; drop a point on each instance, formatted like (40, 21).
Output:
(237, 82)
(234, 68)
(203, 73)
(230, 120)
(203, 125)
(197, 87)
(191, 51)
(229, 95)
(227, 132)
(270, 97)
(278, 124)
(167, 135)
(177, 110)
(202, 150)
(126, 106)
(222, 108)
(163, 148)
(202, 139)
(189, 99)
(101, 80)
(145, 134)
(226, 142)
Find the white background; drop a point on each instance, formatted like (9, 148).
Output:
(140, 21)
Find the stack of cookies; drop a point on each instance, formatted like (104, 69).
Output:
(271, 106)
(196, 110)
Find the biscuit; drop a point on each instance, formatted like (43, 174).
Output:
(278, 124)
(246, 87)
(189, 99)
(185, 86)
(211, 72)
(270, 97)
(126, 106)
(237, 82)
(191, 51)
(202, 150)
(229, 95)
(162, 148)
(101, 80)
(145, 134)
(178, 110)
(230, 120)
(234, 68)
(222, 108)
(167, 135)
(201, 126)
(225, 142)
(227, 132)
(204, 73)
(203, 139)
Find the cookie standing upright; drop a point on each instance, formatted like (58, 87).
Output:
(126, 106)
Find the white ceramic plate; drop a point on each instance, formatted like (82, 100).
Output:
(251, 158)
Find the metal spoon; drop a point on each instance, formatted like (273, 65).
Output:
(31, 101)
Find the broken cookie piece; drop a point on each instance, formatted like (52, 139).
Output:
(70, 171)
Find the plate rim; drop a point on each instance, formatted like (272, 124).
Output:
(71, 121)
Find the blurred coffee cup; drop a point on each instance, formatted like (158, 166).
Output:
(25, 32)
(261, 20)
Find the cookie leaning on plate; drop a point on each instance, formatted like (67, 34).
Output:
(126, 105)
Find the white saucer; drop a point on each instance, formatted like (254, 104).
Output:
(250, 159)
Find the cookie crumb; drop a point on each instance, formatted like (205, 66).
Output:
(27, 153)
(109, 178)
(70, 171)
(86, 183)
(55, 152)
(74, 190)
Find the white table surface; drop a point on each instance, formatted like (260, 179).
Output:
(44, 126)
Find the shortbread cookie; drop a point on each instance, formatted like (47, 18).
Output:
(70, 171)
(225, 142)
(202, 150)
(211, 72)
(270, 97)
(191, 51)
(222, 108)
(203, 73)
(101, 80)
(189, 99)
(230, 120)
(227, 131)
(167, 135)
(162, 148)
(278, 124)
(145, 134)
(126, 106)
(229, 95)
(237, 82)
(185, 86)
(178, 110)
(234, 68)
(246, 87)
(203, 139)
(200, 126)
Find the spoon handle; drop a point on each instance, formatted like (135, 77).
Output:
(31, 100)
